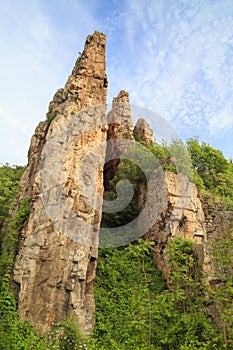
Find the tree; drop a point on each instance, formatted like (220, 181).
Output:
(213, 172)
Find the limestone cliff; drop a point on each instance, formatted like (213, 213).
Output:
(174, 208)
(120, 127)
(143, 131)
(55, 266)
(182, 217)
(72, 157)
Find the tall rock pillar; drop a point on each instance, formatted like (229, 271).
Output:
(56, 262)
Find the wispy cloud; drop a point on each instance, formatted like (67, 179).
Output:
(221, 121)
(180, 58)
(174, 57)
(36, 59)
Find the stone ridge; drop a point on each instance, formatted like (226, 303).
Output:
(56, 263)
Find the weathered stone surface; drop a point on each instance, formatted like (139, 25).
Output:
(143, 131)
(55, 266)
(182, 217)
(120, 127)
(56, 263)
(119, 118)
(34, 154)
(218, 221)
(88, 79)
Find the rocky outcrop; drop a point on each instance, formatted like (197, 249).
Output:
(72, 158)
(55, 266)
(119, 118)
(218, 221)
(143, 131)
(182, 217)
(120, 127)
(176, 201)
(169, 202)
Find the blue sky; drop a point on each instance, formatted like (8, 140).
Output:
(174, 57)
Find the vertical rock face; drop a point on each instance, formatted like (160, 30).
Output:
(218, 225)
(143, 131)
(218, 221)
(119, 118)
(173, 207)
(183, 217)
(56, 263)
(55, 266)
(120, 127)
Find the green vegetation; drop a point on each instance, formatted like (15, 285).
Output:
(62, 336)
(173, 157)
(135, 309)
(130, 171)
(222, 292)
(9, 179)
(125, 289)
(213, 173)
(50, 117)
(13, 334)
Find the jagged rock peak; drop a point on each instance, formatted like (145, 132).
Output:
(87, 85)
(56, 261)
(119, 117)
(143, 131)
(123, 96)
(120, 127)
(94, 51)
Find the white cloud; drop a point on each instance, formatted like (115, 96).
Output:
(174, 57)
(36, 59)
(180, 59)
(222, 121)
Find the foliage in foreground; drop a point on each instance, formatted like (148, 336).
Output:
(134, 308)
(9, 180)
(213, 173)
(205, 166)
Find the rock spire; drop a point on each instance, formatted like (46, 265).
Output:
(55, 265)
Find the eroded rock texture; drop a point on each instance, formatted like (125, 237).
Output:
(56, 263)
(55, 266)
(143, 131)
(182, 217)
(169, 202)
(179, 210)
(120, 127)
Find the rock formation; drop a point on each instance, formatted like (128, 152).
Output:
(56, 263)
(120, 127)
(55, 266)
(143, 131)
(181, 216)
